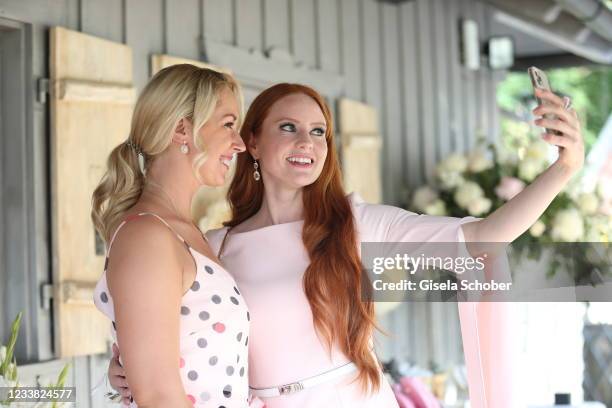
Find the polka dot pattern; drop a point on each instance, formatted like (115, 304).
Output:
(213, 358)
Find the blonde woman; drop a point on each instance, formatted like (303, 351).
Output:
(175, 311)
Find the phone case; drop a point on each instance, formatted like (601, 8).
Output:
(540, 80)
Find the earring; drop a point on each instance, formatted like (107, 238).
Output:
(184, 148)
(256, 174)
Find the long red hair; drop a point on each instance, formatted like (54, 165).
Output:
(334, 279)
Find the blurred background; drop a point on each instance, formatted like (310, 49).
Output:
(430, 97)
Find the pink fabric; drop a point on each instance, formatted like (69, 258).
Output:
(402, 399)
(486, 330)
(268, 265)
(419, 393)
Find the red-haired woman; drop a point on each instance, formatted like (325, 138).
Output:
(292, 247)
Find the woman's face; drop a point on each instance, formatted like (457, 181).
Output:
(291, 146)
(220, 139)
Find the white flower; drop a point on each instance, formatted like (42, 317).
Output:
(537, 149)
(507, 157)
(455, 162)
(479, 206)
(216, 214)
(509, 187)
(449, 170)
(597, 229)
(436, 208)
(567, 226)
(466, 193)
(588, 203)
(424, 196)
(478, 161)
(529, 168)
(2, 353)
(450, 179)
(7, 383)
(537, 229)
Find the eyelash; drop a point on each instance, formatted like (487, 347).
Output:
(321, 131)
(229, 125)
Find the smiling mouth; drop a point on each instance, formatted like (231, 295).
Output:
(300, 161)
(227, 161)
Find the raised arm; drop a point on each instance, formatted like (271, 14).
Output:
(512, 219)
(145, 280)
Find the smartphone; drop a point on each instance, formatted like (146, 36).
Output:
(540, 80)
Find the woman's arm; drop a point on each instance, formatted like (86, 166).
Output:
(145, 280)
(516, 216)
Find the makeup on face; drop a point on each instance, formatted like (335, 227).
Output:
(291, 145)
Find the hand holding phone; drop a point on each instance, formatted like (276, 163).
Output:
(561, 123)
(540, 80)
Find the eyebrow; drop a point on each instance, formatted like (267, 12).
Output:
(295, 120)
(229, 114)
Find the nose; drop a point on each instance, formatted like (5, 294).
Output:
(237, 144)
(304, 141)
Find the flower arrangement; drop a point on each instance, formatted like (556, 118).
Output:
(479, 182)
(8, 371)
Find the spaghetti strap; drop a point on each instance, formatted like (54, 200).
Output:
(134, 216)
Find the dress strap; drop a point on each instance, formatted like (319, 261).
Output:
(134, 216)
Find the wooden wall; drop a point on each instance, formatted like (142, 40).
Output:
(403, 59)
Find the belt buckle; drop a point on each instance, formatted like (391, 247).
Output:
(290, 388)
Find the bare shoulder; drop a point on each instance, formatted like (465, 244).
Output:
(144, 251)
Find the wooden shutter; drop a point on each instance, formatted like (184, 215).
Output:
(361, 143)
(160, 61)
(92, 97)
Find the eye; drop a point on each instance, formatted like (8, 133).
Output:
(318, 131)
(288, 127)
(230, 125)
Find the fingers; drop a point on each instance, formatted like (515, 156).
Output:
(563, 127)
(562, 141)
(550, 96)
(566, 116)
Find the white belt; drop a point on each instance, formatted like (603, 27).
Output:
(303, 384)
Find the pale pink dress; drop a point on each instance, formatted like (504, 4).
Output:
(269, 263)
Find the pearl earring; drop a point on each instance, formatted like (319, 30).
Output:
(184, 148)
(256, 174)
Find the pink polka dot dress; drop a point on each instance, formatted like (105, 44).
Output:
(214, 333)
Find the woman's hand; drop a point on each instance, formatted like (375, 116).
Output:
(515, 217)
(116, 377)
(571, 145)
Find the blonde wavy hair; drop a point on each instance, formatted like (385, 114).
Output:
(177, 92)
